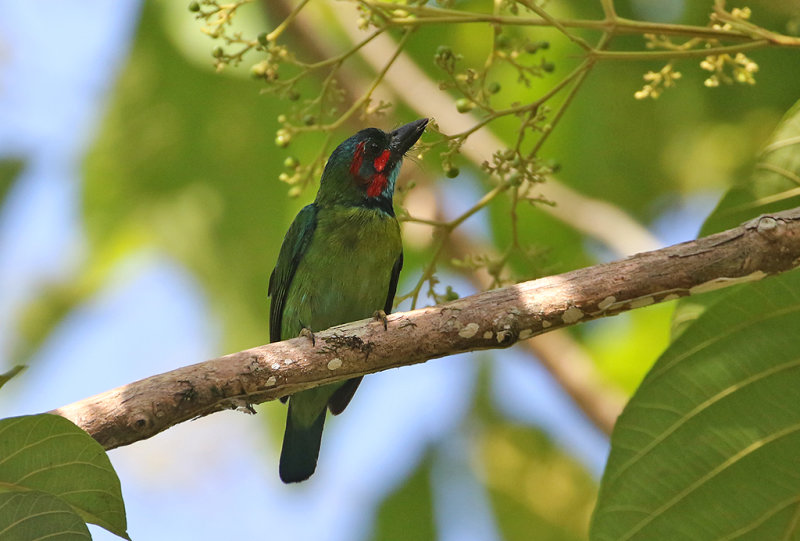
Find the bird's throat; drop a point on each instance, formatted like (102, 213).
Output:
(377, 183)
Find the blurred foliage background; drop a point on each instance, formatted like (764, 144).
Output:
(184, 164)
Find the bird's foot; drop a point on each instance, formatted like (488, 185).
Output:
(239, 404)
(381, 316)
(308, 334)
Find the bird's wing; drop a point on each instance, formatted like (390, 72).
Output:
(344, 394)
(293, 248)
(398, 265)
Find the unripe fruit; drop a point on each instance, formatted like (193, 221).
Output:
(258, 70)
(463, 105)
(283, 139)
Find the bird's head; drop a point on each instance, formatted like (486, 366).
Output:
(365, 166)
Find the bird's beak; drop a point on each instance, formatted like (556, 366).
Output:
(404, 137)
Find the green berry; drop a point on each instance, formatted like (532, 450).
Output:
(463, 105)
(290, 162)
(534, 46)
(502, 41)
(217, 52)
(262, 39)
(309, 120)
(493, 88)
(283, 139)
(549, 67)
(294, 95)
(257, 71)
(452, 172)
(194, 6)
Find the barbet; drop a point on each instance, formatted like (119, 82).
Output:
(339, 262)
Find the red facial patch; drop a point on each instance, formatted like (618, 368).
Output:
(358, 157)
(376, 185)
(381, 161)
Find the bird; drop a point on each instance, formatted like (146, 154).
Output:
(339, 262)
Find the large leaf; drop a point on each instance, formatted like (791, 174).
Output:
(535, 489)
(34, 515)
(50, 454)
(184, 163)
(408, 512)
(707, 446)
(773, 186)
(534, 486)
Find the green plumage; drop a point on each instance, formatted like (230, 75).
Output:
(339, 262)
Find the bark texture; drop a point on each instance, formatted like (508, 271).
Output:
(493, 319)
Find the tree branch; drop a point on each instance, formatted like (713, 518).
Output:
(493, 319)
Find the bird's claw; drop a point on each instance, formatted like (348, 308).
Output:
(381, 316)
(308, 334)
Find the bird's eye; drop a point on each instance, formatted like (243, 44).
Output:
(372, 147)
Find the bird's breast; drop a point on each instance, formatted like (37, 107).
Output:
(346, 271)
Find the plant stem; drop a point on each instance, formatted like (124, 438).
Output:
(275, 34)
(672, 55)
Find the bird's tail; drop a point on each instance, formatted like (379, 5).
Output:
(300, 448)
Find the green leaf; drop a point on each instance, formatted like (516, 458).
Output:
(33, 515)
(707, 446)
(168, 195)
(4, 378)
(408, 512)
(9, 170)
(773, 186)
(533, 485)
(49, 453)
